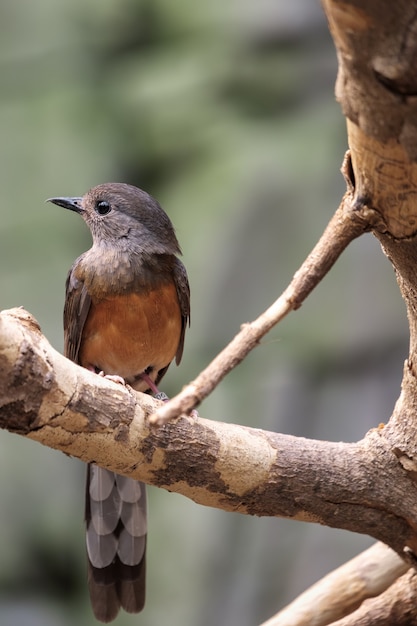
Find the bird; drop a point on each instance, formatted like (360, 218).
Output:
(127, 306)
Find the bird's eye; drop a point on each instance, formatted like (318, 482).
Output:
(102, 207)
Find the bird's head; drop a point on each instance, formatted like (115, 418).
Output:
(125, 217)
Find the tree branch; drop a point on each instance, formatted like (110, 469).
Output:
(348, 222)
(342, 591)
(51, 400)
(397, 605)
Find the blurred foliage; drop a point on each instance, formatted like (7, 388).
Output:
(225, 113)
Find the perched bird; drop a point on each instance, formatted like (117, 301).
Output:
(127, 305)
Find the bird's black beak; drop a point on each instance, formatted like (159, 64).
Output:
(73, 204)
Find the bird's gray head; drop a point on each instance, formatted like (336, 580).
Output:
(124, 217)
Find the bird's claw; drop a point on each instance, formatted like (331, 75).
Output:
(114, 378)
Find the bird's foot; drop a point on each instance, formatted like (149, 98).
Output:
(113, 377)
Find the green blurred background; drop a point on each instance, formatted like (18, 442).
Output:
(224, 111)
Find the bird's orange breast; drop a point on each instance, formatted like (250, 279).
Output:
(128, 334)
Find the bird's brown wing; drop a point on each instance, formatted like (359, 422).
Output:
(77, 306)
(183, 292)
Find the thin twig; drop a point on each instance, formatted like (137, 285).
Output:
(344, 227)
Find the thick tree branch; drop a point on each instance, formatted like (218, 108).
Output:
(376, 45)
(49, 399)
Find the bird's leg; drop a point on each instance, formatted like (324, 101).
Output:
(159, 395)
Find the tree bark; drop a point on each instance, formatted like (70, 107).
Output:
(49, 399)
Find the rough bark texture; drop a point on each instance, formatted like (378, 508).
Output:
(376, 45)
(51, 400)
